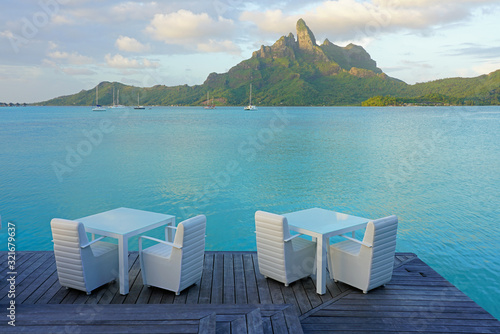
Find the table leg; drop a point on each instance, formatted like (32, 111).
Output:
(322, 243)
(123, 264)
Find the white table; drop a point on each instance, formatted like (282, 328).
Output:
(122, 224)
(323, 224)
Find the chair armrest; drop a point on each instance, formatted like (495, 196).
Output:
(93, 241)
(157, 240)
(357, 241)
(292, 237)
(289, 239)
(169, 235)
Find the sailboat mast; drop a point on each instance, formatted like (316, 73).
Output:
(97, 95)
(250, 95)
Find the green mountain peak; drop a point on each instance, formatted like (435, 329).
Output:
(305, 37)
(299, 72)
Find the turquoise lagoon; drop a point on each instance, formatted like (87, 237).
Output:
(436, 168)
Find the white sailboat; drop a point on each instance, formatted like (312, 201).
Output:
(250, 106)
(138, 104)
(97, 106)
(116, 105)
(210, 104)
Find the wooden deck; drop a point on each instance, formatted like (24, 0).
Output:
(232, 297)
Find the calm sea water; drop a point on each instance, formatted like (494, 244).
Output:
(437, 169)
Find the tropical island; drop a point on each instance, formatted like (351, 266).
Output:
(299, 72)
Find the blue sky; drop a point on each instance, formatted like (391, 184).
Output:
(50, 48)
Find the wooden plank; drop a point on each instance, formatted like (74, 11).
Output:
(275, 290)
(100, 293)
(112, 289)
(155, 296)
(25, 270)
(32, 283)
(144, 295)
(239, 325)
(422, 306)
(71, 296)
(168, 297)
(206, 279)
(218, 279)
(135, 279)
(181, 297)
(310, 290)
(254, 322)
(20, 258)
(266, 325)
(54, 295)
(117, 297)
(333, 289)
(279, 323)
(239, 280)
(300, 295)
(292, 321)
(229, 285)
(193, 293)
(289, 296)
(223, 327)
(396, 312)
(262, 286)
(207, 324)
(456, 298)
(114, 328)
(250, 281)
(43, 288)
(421, 326)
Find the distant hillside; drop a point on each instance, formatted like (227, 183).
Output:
(297, 71)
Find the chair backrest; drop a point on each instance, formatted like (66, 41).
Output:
(271, 230)
(381, 234)
(68, 236)
(190, 235)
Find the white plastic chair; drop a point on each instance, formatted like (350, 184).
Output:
(81, 264)
(369, 263)
(282, 257)
(175, 265)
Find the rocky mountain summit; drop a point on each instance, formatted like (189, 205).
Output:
(352, 58)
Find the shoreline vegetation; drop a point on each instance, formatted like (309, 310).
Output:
(296, 71)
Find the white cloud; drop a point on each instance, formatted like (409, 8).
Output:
(346, 19)
(124, 43)
(70, 58)
(53, 45)
(134, 10)
(274, 21)
(222, 46)
(118, 61)
(60, 19)
(486, 68)
(77, 71)
(6, 33)
(184, 27)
